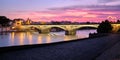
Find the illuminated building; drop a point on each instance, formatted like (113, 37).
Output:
(28, 22)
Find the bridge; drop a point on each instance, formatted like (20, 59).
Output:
(69, 29)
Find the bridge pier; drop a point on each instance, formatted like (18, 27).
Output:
(71, 32)
(45, 31)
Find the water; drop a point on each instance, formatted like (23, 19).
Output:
(28, 38)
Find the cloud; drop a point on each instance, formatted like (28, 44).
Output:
(89, 8)
(88, 13)
(71, 13)
(109, 2)
(106, 1)
(113, 3)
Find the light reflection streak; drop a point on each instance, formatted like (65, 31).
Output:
(39, 41)
(29, 36)
(48, 39)
(12, 37)
(21, 38)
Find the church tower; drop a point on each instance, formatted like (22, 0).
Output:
(28, 21)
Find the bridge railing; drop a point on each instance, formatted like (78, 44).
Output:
(70, 24)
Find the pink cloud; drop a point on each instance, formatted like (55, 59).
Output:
(76, 14)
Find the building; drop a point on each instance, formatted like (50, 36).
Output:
(28, 21)
(17, 23)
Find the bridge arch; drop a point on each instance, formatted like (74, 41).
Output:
(86, 27)
(56, 29)
(63, 28)
(34, 28)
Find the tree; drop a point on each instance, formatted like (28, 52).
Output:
(104, 27)
(118, 21)
(4, 21)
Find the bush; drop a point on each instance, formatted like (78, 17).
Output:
(104, 27)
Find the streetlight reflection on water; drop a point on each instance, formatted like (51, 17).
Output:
(28, 38)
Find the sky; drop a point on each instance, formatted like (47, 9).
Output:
(61, 10)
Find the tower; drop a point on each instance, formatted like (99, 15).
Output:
(28, 22)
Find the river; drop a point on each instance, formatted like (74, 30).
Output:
(28, 38)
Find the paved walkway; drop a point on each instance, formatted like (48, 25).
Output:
(111, 54)
(76, 50)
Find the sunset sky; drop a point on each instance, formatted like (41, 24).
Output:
(61, 10)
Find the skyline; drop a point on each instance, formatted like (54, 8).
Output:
(61, 10)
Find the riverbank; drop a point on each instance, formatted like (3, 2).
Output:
(87, 49)
(111, 54)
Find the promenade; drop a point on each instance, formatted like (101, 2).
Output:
(101, 48)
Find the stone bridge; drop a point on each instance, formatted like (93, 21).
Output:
(69, 29)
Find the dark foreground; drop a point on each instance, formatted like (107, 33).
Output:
(103, 48)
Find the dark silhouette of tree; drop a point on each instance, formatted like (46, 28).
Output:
(118, 21)
(87, 22)
(104, 27)
(4, 21)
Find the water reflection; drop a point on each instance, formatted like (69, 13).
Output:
(39, 41)
(21, 38)
(67, 38)
(12, 36)
(25, 38)
(48, 38)
(29, 36)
